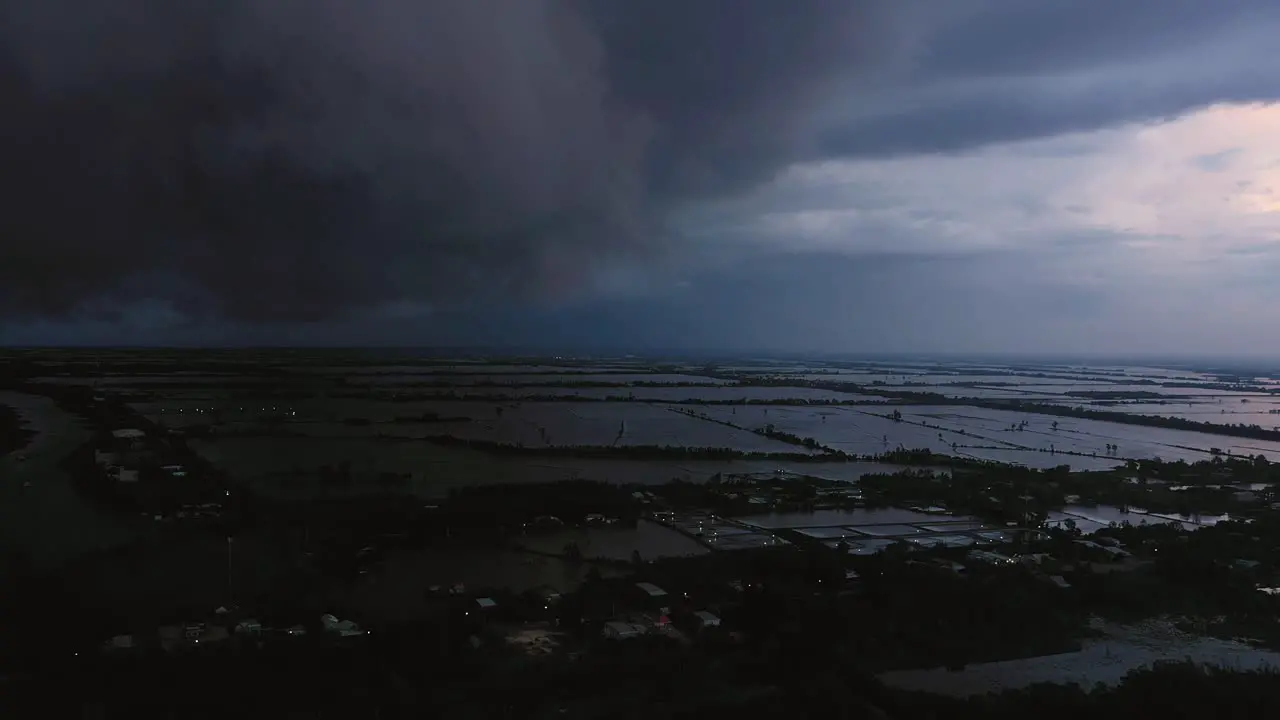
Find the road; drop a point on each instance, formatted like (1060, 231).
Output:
(48, 521)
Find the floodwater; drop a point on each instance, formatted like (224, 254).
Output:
(1090, 519)
(650, 539)
(1102, 660)
(434, 469)
(831, 518)
(49, 521)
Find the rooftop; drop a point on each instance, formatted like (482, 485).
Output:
(651, 590)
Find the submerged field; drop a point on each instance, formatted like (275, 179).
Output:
(282, 417)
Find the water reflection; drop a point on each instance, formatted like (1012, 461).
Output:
(1102, 660)
(826, 518)
(1090, 519)
(615, 542)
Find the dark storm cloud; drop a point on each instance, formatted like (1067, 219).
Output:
(296, 160)
(1007, 70)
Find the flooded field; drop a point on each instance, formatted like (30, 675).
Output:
(1103, 660)
(846, 518)
(609, 424)
(517, 379)
(726, 393)
(999, 435)
(1261, 411)
(649, 539)
(1092, 518)
(286, 467)
(275, 443)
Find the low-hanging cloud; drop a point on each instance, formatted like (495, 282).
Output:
(270, 162)
(262, 160)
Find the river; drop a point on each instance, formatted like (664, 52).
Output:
(48, 521)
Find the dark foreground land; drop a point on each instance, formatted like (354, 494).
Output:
(213, 600)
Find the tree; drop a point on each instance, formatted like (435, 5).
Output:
(572, 552)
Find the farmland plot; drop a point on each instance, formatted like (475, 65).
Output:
(996, 435)
(451, 369)
(841, 428)
(435, 469)
(1016, 382)
(843, 518)
(516, 379)
(1157, 389)
(984, 393)
(183, 413)
(676, 394)
(1083, 436)
(1224, 411)
(608, 424)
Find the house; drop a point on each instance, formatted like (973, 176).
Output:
(119, 643)
(248, 626)
(653, 597)
(1245, 496)
(950, 565)
(544, 522)
(651, 590)
(129, 437)
(547, 595)
(1034, 558)
(1116, 553)
(704, 619)
(341, 628)
(191, 635)
(618, 630)
(127, 476)
(990, 557)
(485, 603)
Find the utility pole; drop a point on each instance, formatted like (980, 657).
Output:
(230, 586)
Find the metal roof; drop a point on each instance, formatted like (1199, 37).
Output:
(650, 589)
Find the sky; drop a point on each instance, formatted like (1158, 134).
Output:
(964, 176)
